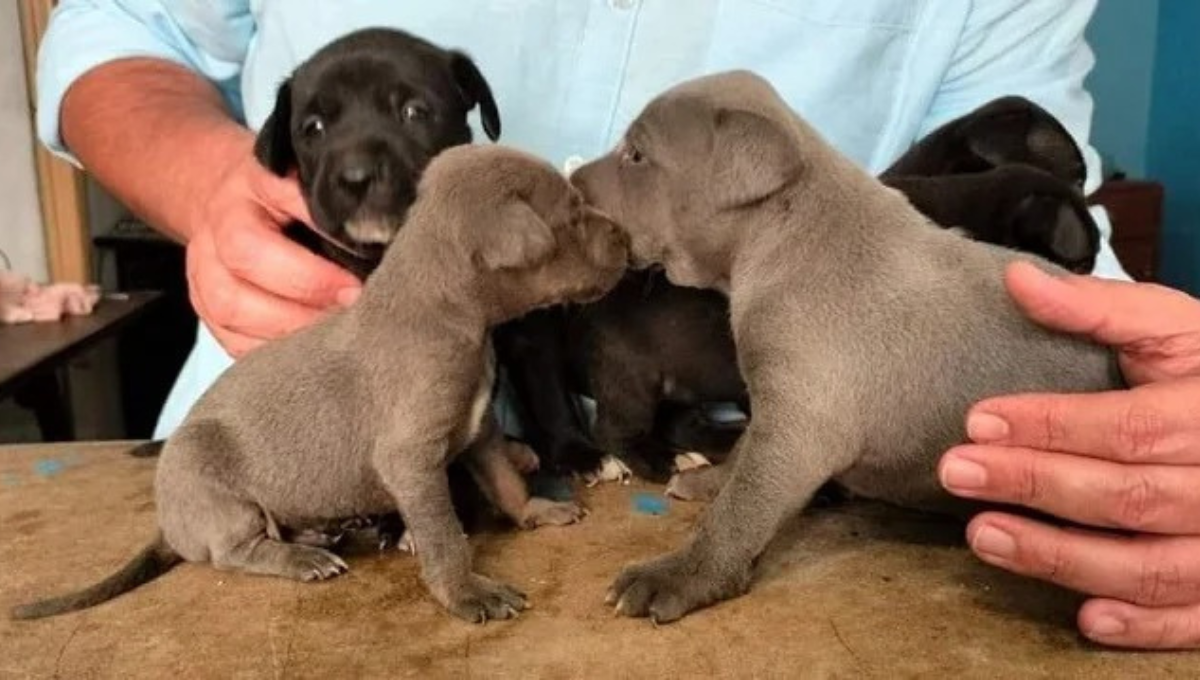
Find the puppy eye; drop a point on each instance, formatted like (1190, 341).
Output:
(414, 112)
(312, 127)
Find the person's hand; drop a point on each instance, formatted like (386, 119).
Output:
(1125, 462)
(248, 282)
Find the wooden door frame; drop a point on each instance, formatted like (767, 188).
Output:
(62, 189)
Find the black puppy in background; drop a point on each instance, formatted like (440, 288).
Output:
(651, 354)
(358, 122)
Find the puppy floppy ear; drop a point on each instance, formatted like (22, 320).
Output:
(518, 238)
(273, 146)
(1015, 130)
(476, 91)
(753, 158)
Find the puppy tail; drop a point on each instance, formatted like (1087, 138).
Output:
(154, 560)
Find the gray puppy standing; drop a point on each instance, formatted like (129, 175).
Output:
(864, 332)
(361, 413)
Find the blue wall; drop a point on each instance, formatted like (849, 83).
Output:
(1122, 34)
(1173, 143)
(1146, 84)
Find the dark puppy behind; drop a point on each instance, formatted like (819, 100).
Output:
(360, 414)
(651, 353)
(359, 120)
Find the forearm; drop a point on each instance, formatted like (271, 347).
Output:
(156, 135)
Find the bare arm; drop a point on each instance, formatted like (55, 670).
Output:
(156, 135)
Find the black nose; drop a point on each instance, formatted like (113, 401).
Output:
(360, 171)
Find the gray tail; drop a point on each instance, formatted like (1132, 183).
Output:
(147, 449)
(154, 560)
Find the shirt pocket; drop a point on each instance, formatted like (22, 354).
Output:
(840, 64)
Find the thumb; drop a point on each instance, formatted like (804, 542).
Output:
(1118, 313)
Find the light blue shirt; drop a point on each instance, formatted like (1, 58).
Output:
(569, 75)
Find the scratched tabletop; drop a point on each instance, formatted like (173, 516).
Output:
(851, 591)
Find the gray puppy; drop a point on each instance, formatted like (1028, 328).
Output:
(864, 332)
(361, 413)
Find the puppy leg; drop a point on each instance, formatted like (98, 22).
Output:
(626, 407)
(419, 483)
(491, 462)
(772, 478)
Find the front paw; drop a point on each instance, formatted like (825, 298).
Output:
(698, 484)
(481, 599)
(667, 588)
(611, 469)
(543, 511)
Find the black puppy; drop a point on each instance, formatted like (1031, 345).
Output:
(651, 353)
(359, 121)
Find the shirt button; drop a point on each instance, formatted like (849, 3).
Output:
(621, 4)
(572, 164)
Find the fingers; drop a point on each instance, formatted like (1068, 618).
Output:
(1144, 570)
(259, 254)
(1154, 423)
(1150, 498)
(240, 315)
(1126, 625)
(279, 195)
(1111, 312)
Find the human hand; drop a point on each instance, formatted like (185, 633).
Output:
(1125, 462)
(247, 281)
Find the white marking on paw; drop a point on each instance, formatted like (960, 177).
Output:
(690, 460)
(406, 543)
(611, 470)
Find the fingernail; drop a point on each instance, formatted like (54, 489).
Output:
(1106, 626)
(960, 473)
(347, 296)
(985, 427)
(995, 543)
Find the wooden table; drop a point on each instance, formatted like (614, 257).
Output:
(856, 591)
(31, 355)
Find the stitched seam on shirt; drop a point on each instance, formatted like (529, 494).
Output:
(616, 100)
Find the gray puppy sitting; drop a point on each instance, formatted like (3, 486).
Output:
(361, 413)
(864, 332)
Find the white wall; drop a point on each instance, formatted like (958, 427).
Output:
(21, 235)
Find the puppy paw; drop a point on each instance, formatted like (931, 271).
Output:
(668, 588)
(523, 458)
(481, 599)
(611, 470)
(700, 484)
(543, 511)
(317, 538)
(690, 460)
(307, 563)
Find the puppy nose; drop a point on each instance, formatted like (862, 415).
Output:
(359, 172)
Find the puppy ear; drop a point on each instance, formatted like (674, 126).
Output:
(1015, 130)
(476, 91)
(518, 238)
(754, 159)
(273, 146)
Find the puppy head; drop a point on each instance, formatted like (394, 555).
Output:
(690, 167)
(361, 119)
(521, 230)
(1004, 131)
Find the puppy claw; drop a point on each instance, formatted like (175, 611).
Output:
(690, 460)
(611, 470)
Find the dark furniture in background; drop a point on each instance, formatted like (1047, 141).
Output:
(34, 356)
(151, 352)
(1135, 209)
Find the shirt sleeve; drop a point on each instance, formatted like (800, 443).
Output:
(1036, 49)
(210, 37)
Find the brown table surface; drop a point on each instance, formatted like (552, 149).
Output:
(26, 348)
(850, 592)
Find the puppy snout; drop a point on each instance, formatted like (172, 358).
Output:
(360, 171)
